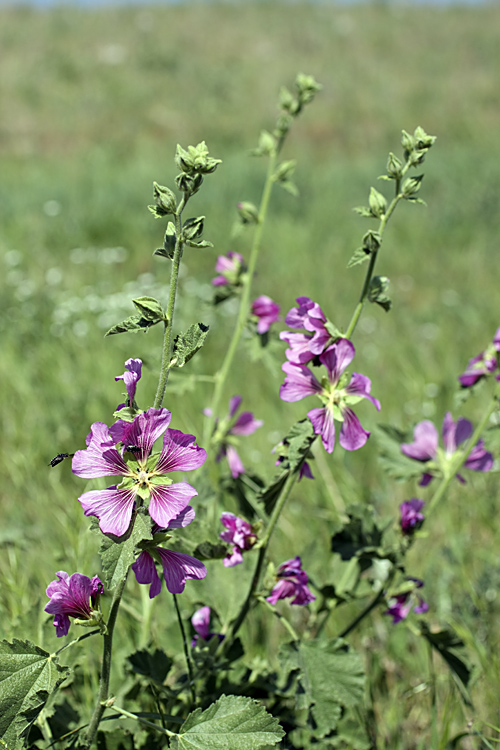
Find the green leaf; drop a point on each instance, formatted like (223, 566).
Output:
(210, 551)
(295, 449)
(150, 308)
(117, 555)
(233, 722)
(331, 678)
(133, 324)
(358, 256)
(187, 344)
(448, 644)
(393, 460)
(363, 211)
(360, 536)
(377, 292)
(290, 187)
(152, 664)
(28, 675)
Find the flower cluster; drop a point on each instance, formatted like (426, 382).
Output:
(74, 596)
(425, 448)
(266, 312)
(401, 605)
(291, 584)
(485, 363)
(240, 534)
(245, 424)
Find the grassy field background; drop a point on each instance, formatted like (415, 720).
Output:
(92, 106)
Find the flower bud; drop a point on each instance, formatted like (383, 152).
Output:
(193, 228)
(377, 203)
(411, 186)
(165, 199)
(394, 166)
(248, 212)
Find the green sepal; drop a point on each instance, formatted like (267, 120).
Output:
(189, 184)
(150, 308)
(290, 187)
(166, 202)
(201, 245)
(169, 242)
(28, 676)
(394, 167)
(377, 292)
(187, 344)
(118, 553)
(248, 212)
(334, 332)
(411, 186)
(285, 170)
(233, 721)
(127, 414)
(193, 228)
(363, 211)
(377, 203)
(267, 144)
(196, 160)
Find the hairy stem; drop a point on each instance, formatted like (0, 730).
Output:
(186, 650)
(103, 694)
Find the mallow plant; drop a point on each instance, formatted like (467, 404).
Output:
(171, 510)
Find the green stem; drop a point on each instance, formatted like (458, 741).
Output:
(373, 256)
(103, 694)
(462, 456)
(263, 545)
(280, 617)
(221, 375)
(146, 723)
(168, 339)
(186, 650)
(364, 613)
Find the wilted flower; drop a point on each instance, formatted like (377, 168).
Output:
(201, 623)
(240, 534)
(401, 604)
(133, 369)
(480, 366)
(411, 516)
(229, 267)
(144, 479)
(245, 424)
(305, 346)
(425, 448)
(292, 582)
(266, 311)
(74, 596)
(336, 393)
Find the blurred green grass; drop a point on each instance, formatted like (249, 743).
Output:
(93, 103)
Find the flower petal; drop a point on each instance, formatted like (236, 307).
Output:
(144, 431)
(337, 358)
(425, 442)
(234, 405)
(100, 459)
(178, 567)
(234, 461)
(299, 382)
(361, 385)
(246, 424)
(352, 436)
(179, 453)
(324, 425)
(201, 622)
(113, 507)
(168, 500)
(145, 572)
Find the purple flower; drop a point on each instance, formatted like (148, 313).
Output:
(229, 267)
(401, 604)
(201, 623)
(245, 424)
(267, 312)
(144, 478)
(411, 517)
(133, 369)
(336, 394)
(74, 596)
(240, 534)
(425, 448)
(177, 568)
(480, 366)
(305, 346)
(292, 582)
